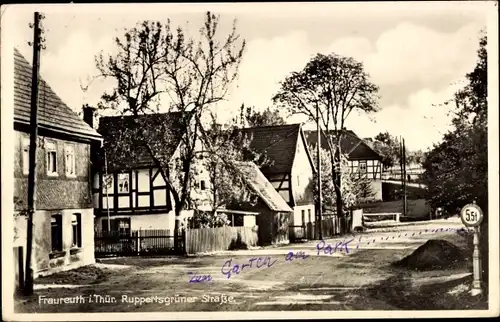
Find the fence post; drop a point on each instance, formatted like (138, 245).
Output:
(138, 239)
(184, 248)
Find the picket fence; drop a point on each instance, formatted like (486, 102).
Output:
(136, 242)
(330, 227)
(205, 240)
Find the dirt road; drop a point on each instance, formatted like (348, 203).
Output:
(333, 274)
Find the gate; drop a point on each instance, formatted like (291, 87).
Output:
(137, 243)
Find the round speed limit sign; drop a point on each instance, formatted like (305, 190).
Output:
(471, 215)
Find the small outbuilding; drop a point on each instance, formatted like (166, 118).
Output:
(274, 212)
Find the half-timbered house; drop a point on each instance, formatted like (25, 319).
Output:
(288, 166)
(130, 191)
(363, 160)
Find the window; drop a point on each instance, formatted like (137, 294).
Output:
(362, 166)
(202, 185)
(69, 157)
(51, 158)
(303, 216)
(237, 220)
(26, 156)
(120, 226)
(309, 214)
(76, 225)
(123, 183)
(124, 227)
(56, 232)
(107, 183)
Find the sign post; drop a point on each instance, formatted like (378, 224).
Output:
(472, 216)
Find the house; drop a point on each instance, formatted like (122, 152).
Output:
(288, 167)
(63, 235)
(130, 189)
(274, 213)
(361, 157)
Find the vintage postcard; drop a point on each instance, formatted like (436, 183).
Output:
(249, 160)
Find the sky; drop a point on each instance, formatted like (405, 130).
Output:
(417, 53)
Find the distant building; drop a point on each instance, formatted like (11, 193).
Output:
(362, 158)
(63, 234)
(290, 168)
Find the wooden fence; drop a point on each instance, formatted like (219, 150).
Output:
(137, 242)
(222, 238)
(330, 227)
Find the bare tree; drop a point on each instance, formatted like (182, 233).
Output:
(157, 66)
(327, 90)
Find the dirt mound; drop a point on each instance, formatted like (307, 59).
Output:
(83, 275)
(434, 254)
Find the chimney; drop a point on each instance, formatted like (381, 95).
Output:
(88, 115)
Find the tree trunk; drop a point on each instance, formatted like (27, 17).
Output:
(336, 177)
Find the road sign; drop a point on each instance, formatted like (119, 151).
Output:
(471, 215)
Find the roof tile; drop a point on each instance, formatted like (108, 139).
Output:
(277, 143)
(53, 113)
(350, 144)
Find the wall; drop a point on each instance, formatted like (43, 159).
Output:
(143, 221)
(54, 192)
(139, 181)
(302, 174)
(249, 221)
(373, 167)
(296, 219)
(376, 186)
(281, 181)
(42, 247)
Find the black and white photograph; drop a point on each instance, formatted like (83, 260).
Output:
(249, 160)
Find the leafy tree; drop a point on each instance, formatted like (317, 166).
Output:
(155, 66)
(356, 188)
(388, 146)
(249, 117)
(417, 157)
(456, 170)
(327, 90)
(226, 180)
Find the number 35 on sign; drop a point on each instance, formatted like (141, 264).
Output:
(471, 215)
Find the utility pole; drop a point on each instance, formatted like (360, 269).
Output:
(37, 45)
(320, 196)
(403, 175)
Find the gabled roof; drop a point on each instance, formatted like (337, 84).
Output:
(123, 152)
(277, 143)
(53, 113)
(259, 184)
(350, 144)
